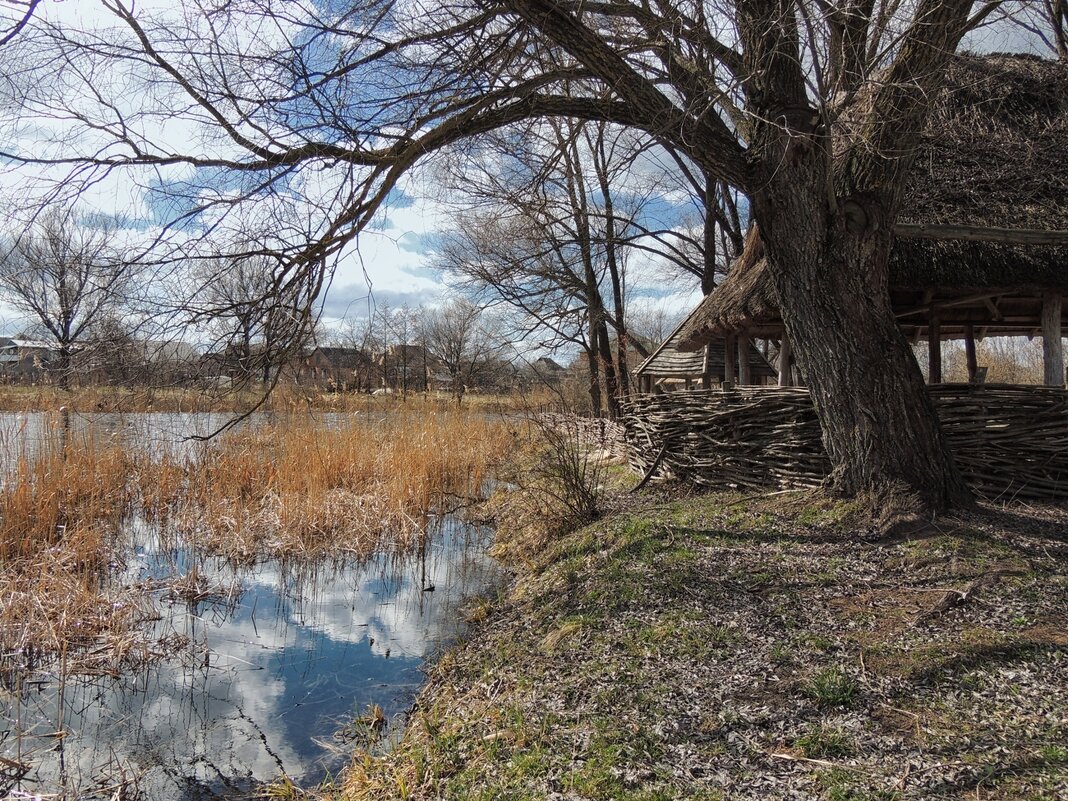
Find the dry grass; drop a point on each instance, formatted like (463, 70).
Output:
(1009, 360)
(293, 488)
(301, 489)
(284, 398)
(60, 509)
(72, 492)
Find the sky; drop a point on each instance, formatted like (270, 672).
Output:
(392, 262)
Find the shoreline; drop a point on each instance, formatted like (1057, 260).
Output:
(285, 398)
(753, 647)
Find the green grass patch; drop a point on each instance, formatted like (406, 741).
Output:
(825, 742)
(832, 687)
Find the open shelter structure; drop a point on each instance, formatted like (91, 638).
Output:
(718, 361)
(981, 250)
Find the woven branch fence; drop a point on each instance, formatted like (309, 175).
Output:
(596, 432)
(1010, 441)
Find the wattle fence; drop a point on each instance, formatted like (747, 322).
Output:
(1010, 441)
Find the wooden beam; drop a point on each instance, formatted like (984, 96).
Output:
(981, 233)
(949, 303)
(969, 352)
(1052, 346)
(706, 368)
(992, 307)
(744, 374)
(728, 359)
(934, 351)
(786, 357)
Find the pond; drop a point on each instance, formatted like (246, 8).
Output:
(267, 669)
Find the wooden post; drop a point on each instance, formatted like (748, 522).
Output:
(934, 350)
(689, 384)
(1052, 347)
(728, 358)
(706, 368)
(786, 358)
(744, 376)
(969, 352)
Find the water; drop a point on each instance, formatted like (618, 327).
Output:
(265, 677)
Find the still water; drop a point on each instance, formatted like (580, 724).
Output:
(265, 675)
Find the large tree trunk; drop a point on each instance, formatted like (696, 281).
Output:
(594, 377)
(65, 366)
(829, 267)
(611, 384)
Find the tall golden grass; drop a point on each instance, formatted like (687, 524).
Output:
(301, 488)
(294, 487)
(61, 505)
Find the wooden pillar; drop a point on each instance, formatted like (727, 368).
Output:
(934, 350)
(744, 375)
(1052, 346)
(728, 358)
(706, 367)
(786, 358)
(785, 361)
(969, 352)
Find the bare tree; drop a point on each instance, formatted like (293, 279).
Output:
(405, 361)
(813, 109)
(460, 338)
(1045, 20)
(66, 276)
(546, 223)
(257, 325)
(14, 15)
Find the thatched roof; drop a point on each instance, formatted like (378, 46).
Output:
(667, 361)
(994, 153)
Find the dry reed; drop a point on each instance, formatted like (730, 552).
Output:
(299, 488)
(292, 488)
(284, 398)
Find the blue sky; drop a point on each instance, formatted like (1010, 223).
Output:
(391, 261)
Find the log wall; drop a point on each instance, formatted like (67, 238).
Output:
(1010, 441)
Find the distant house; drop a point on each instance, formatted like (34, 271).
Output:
(26, 359)
(548, 368)
(543, 371)
(344, 369)
(408, 368)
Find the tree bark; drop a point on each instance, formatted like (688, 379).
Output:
(65, 363)
(594, 377)
(879, 425)
(611, 385)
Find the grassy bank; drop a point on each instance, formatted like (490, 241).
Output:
(727, 647)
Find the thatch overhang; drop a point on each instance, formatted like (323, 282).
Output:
(994, 155)
(668, 362)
